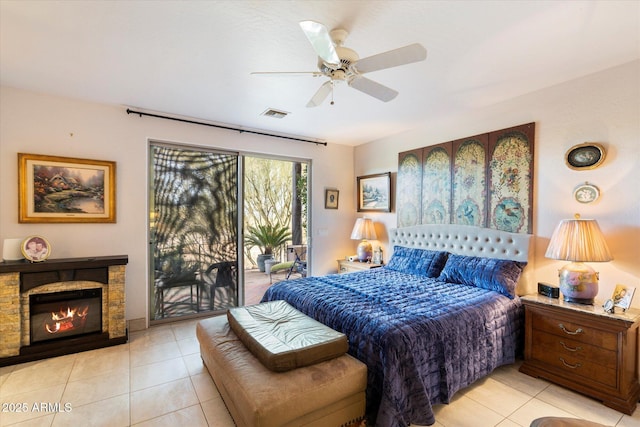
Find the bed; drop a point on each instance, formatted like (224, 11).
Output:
(443, 313)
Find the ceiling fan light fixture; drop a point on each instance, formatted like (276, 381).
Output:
(339, 75)
(342, 64)
(276, 114)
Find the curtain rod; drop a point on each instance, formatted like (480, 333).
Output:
(195, 122)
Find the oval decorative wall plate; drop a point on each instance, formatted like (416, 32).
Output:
(586, 193)
(585, 156)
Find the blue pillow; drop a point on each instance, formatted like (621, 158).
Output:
(422, 262)
(498, 275)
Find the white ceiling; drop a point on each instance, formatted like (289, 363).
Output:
(194, 58)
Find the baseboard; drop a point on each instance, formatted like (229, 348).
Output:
(137, 324)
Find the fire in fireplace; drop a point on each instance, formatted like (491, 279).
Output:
(65, 314)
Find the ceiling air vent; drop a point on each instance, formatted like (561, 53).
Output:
(276, 114)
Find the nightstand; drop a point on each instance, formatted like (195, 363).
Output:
(584, 349)
(345, 266)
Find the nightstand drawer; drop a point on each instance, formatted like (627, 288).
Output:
(563, 328)
(593, 364)
(345, 266)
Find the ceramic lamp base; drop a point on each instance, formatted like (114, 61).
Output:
(578, 283)
(365, 251)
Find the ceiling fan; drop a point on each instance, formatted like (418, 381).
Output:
(341, 64)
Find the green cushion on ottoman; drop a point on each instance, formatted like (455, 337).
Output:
(284, 338)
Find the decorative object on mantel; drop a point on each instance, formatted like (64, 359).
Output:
(11, 249)
(36, 248)
(585, 156)
(578, 240)
(586, 193)
(364, 230)
(374, 192)
(66, 189)
(331, 198)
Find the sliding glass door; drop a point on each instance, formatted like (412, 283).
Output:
(194, 230)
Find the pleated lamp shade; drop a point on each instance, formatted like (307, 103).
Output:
(578, 240)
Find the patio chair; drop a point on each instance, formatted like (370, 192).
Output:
(219, 276)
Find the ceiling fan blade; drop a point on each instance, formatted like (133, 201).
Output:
(321, 41)
(321, 94)
(392, 58)
(372, 88)
(288, 73)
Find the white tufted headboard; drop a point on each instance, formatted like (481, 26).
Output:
(471, 241)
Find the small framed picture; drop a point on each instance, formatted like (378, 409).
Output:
(374, 193)
(331, 198)
(36, 248)
(585, 156)
(622, 296)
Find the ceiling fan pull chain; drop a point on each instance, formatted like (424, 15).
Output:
(332, 86)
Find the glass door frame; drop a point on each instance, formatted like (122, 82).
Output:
(240, 219)
(150, 218)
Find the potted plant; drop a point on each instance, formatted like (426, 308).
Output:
(266, 237)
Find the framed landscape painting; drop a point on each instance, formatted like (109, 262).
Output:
(374, 193)
(65, 189)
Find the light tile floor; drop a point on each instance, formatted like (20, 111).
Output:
(157, 379)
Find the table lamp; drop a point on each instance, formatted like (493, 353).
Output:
(363, 230)
(578, 240)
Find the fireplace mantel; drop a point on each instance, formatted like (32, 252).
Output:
(34, 274)
(62, 264)
(19, 279)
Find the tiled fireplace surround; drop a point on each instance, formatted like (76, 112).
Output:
(20, 279)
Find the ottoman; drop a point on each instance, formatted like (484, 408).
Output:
(325, 394)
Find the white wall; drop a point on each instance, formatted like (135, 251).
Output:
(603, 107)
(51, 125)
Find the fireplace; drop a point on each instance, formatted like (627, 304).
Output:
(61, 306)
(61, 315)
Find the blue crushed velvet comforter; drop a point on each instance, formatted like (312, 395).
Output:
(422, 340)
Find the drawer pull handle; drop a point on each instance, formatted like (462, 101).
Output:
(569, 348)
(569, 365)
(566, 331)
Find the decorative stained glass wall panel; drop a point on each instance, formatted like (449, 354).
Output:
(510, 178)
(436, 184)
(483, 180)
(469, 181)
(408, 188)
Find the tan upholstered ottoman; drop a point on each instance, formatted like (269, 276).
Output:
(326, 394)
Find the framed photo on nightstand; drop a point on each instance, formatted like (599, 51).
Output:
(622, 296)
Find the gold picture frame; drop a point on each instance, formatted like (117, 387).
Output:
(55, 189)
(589, 155)
(36, 248)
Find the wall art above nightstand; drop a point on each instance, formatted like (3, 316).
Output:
(585, 156)
(586, 193)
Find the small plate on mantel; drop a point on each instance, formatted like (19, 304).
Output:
(36, 248)
(586, 193)
(585, 156)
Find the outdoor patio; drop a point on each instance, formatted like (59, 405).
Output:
(183, 300)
